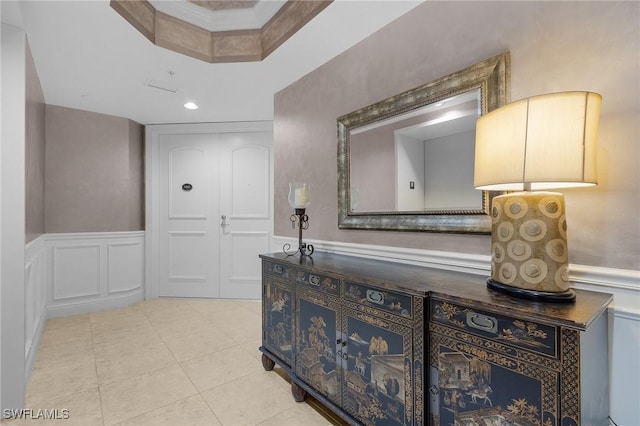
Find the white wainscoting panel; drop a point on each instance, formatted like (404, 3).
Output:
(92, 271)
(76, 270)
(35, 296)
(624, 313)
(124, 261)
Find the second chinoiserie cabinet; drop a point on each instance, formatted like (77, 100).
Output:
(383, 343)
(490, 366)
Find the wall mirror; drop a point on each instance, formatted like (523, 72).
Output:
(406, 163)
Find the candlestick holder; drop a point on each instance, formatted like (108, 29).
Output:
(299, 197)
(302, 220)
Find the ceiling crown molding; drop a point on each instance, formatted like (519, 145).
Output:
(166, 30)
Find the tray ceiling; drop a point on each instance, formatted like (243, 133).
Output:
(219, 31)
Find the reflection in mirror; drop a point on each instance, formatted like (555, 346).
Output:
(419, 161)
(406, 163)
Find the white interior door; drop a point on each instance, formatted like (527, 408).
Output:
(188, 203)
(197, 173)
(246, 204)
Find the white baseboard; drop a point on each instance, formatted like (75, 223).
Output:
(84, 307)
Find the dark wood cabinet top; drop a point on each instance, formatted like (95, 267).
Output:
(456, 287)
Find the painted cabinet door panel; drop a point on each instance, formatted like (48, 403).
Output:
(319, 352)
(377, 387)
(277, 305)
(475, 387)
(488, 368)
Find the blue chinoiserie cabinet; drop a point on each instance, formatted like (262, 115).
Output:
(381, 343)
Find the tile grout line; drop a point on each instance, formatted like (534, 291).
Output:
(95, 364)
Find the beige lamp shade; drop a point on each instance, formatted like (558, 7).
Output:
(543, 142)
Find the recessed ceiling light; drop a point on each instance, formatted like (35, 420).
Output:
(190, 105)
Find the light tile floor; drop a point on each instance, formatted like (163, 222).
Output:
(167, 362)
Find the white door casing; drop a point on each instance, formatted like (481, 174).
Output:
(229, 167)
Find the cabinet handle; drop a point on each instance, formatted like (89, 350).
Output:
(277, 268)
(345, 355)
(376, 297)
(314, 280)
(433, 390)
(482, 322)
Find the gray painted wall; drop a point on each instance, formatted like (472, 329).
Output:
(94, 172)
(34, 152)
(554, 46)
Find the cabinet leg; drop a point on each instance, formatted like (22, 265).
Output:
(267, 363)
(298, 393)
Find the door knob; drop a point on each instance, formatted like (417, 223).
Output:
(224, 221)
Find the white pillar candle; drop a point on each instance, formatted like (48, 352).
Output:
(300, 199)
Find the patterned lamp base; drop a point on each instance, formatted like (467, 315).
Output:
(529, 255)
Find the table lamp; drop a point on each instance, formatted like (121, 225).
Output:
(540, 143)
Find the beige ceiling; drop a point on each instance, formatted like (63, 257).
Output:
(251, 29)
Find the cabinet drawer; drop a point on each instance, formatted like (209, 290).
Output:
(524, 334)
(322, 283)
(388, 301)
(277, 269)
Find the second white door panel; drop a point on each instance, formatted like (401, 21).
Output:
(250, 181)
